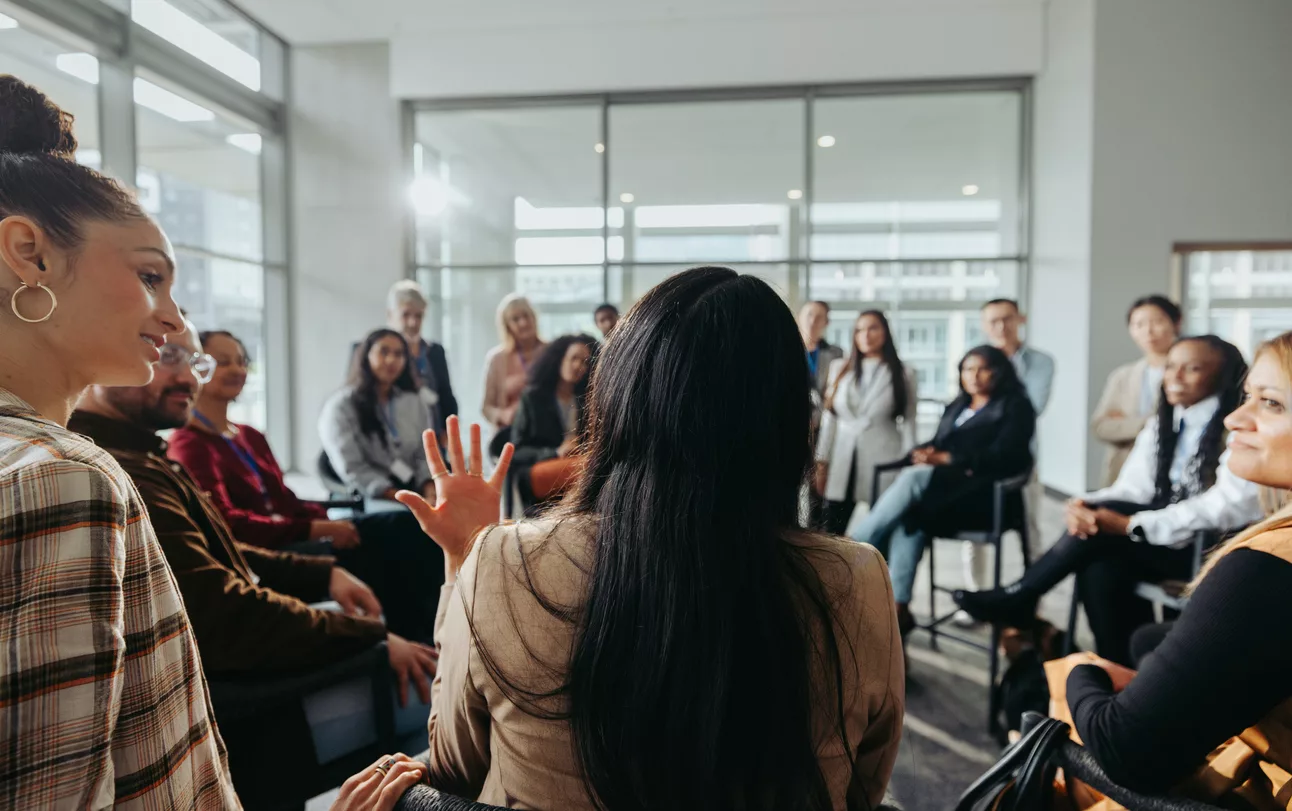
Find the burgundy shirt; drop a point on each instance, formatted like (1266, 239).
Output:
(270, 520)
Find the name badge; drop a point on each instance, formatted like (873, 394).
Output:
(401, 471)
(429, 397)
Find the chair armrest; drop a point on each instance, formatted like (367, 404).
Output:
(1014, 484)
(1079, 763)
(240, 698)
(422, 797)
(337, 503)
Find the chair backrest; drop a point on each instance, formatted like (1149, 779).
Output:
(1079, 763)
(328, 475)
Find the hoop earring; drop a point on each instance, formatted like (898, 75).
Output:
(13, 303)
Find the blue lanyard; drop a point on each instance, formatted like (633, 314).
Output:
(246, 458)
(390, 419)
(812, 359)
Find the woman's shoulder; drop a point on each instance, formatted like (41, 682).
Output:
(1276, 541)
(842, 563)
(341, 398)
(495, 356)
(190, 438)
(54, 458)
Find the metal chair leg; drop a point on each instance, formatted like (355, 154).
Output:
(993, 710)
(1070, 644)
(933, 596)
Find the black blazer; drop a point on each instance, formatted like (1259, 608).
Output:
(538, 429)
(443, 388)
(995, 443)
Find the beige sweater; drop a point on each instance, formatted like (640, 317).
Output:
(483, 746)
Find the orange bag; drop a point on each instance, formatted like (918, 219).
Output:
(550, 477)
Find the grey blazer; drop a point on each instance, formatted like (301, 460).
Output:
(370, 462)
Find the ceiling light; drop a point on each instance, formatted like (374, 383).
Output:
(246, 141)
(969, 191)
(825, 141)
(599, 148)
(81, 65)
(7, 22)
(626, 197)
(161, 100)
(164, 19)
(795, 194)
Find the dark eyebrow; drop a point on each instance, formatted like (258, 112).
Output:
(170, 263)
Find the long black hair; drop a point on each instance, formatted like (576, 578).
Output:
(888, 356)
(363, 384)
(545, 374)
(698, 444)
(1004, 378)
(1201, 470)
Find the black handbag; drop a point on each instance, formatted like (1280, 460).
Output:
(1023, 778)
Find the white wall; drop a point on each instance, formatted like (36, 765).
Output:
(863, 43)
(1063, 133)
(1169, 125)
(349, 200)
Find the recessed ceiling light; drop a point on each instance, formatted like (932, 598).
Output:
(599, 148)
(795, 194)
(825, 141)
(246, 141)
(969, 191)
(7, 22)
(626, 197)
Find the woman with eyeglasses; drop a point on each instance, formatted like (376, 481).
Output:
(234, 464)
(105, 672)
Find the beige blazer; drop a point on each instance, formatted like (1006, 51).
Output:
(484, 746)
(1121, 394)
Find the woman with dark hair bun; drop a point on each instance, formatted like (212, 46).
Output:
(614, 655)
(103, 670)
(1130, 396)
(550, 419)
(985, 435)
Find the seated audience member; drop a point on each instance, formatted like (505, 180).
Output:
(868, 419)
(550, 420)
(1130, 396)
(507, 365)
(104, 700)
(606, 318)
(1174, 483)
(1225, 667)
(248, 607)
(405, 312)
(985, 435)
(569, 644)
(372, 429)
(235, 467)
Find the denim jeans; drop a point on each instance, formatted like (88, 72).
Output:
(883, 529)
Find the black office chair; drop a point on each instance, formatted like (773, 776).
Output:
(241, 705)
(1004, 490)
(343, 496)
(1165, 594)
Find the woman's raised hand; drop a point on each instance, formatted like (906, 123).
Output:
(465, 501)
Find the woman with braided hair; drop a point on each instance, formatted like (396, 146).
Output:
(1175, 483)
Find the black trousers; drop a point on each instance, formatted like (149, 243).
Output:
(1108, 567)
(402, 565)
(835, 514)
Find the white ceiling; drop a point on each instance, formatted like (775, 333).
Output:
(330, 21)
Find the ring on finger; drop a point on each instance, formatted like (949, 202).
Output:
(386, 765)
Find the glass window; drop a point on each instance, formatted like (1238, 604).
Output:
(1242, 295)
(207, 29)
(43, 62)
(199, 175)
(708, 181)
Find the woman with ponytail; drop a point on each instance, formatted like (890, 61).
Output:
(668, 638)
(1224, 668)
(1174, 484)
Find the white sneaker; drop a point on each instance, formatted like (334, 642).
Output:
(963, 620)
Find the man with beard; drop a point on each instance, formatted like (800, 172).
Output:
(249, 607)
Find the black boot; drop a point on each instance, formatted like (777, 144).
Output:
(1011, 607)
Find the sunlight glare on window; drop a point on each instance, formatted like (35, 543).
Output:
(176, 27)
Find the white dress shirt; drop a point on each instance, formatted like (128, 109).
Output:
(1231, 503)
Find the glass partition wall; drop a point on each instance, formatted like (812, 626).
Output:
(909, 199)
(183, 100)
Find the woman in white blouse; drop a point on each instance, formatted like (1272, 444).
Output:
(1130, 395)
(868, 419)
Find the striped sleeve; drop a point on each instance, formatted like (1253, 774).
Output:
(62, 562)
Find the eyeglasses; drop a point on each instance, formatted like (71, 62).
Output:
(202, 365)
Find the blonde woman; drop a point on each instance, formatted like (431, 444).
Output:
(507, 365)
(1226, 664)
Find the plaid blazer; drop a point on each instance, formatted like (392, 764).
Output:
(102, 699)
